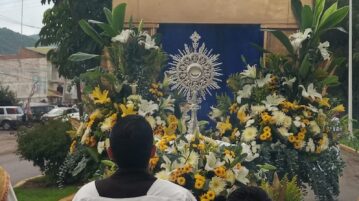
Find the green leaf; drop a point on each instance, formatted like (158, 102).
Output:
(332, 80)
(304, 67)
(118, 17)
(93, 153)
(307, 18)
(80, 56)
(284, 40)
(260, 48)
(108, 163)
(297, 9)
(318, 10)
(108, 30)
(329, 12)
(89, 30)
(108, 15)
(334, 19)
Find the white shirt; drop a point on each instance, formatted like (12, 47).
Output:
(161, 190)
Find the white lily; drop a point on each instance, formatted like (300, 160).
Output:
(310, 92)
(250, 72)
(123, 36)
(167, 104)
(264, 81)
(148, 41)
(289, 82)
(246, 149)
(215, 113)
(323, 48)
(297, 39)
(147, 107)
(212, 162)
(241, 175)
(246, 91)
(272, 101)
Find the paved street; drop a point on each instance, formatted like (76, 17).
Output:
(21, 169)
(18, 169)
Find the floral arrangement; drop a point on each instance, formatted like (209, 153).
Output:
(283, 109)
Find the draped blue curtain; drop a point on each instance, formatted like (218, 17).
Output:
(230, 41)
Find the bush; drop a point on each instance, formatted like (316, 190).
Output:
(46, 145)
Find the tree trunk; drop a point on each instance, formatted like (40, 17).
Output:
(79, 98)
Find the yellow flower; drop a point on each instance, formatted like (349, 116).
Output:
(72, 147)
(100, 97)
(324, 102)
(266, 117)
(220, 171)
(233, 135)
(211, 195)
(291, 138)
(263, 137)
(204, 197)
(266, 129)
(224, 126)
(242, 116)
(109, 122)
(233, 108)
(181, 181)
(127, 110)
(153, 162)
(339, 108)
(298, 145)
(201, 146)
(301, 136)
(172, 119)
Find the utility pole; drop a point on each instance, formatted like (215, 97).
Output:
(350, 71)
(22, 18)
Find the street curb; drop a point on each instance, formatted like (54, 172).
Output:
(348, 149)
(22, 182)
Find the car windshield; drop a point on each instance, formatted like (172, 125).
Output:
(56, 111)
(13, 110)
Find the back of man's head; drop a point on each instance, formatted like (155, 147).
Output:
(248, 193)
(131, 142)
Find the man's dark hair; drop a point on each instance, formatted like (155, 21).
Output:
(248, 193)
(131, 142)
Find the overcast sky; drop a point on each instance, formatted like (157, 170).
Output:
(10, 15)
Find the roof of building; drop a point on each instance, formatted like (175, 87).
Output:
(41, 50)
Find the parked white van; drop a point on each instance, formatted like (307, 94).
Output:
(11, 117)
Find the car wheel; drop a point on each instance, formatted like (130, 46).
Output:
(6, 125)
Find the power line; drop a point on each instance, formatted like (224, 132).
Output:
(10, 20)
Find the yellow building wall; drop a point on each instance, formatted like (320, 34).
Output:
(271, 14)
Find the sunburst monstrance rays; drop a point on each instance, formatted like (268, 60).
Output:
(194, 70)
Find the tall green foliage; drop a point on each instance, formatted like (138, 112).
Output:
(7, 97)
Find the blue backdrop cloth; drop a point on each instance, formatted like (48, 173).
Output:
(230, 41)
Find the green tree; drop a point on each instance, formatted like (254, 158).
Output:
(62, 29)
(7, 97)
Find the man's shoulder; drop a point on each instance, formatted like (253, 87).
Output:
(168, 189)
(87, 190)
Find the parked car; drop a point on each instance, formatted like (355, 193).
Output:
(39, 109)
(61, 112)
(11, 117)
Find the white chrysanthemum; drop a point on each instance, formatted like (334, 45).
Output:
(250, 155)
(147, 107)
(284, 131)
(323, 48)
(217, 185)
(279, 118)
(255, 147)
(297, 39)
(249, 134)
(250, 72)
(230, 177)
(261, 82)
(123, 36)
(212, 162)
(163, 175)
(314, 127)
(298, 123)
(241, 175)
(147, 41)
(191, 158)
(257, 109)
(287, 122)
(310, 146)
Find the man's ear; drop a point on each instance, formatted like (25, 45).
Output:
(110, 153)
(153, 151)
